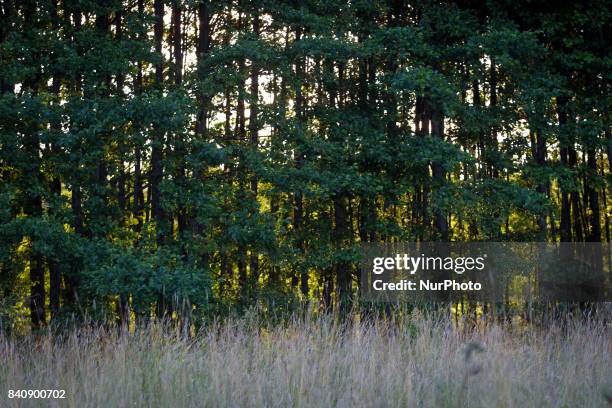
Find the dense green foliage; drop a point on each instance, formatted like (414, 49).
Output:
(180, 158)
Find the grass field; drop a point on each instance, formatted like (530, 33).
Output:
(315, 363)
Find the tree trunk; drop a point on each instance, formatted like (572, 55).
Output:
(439, 175)
(55, 272)
(298, 204)
(157, 171)
(575, 198)
(538, 146)
(595, 221)
(565, 226)
(202, 49)
(33, 209)
(254, 134)
(342, 268)
(179, 148)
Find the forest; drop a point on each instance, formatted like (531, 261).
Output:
(184, 160)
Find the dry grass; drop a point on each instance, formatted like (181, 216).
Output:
(416, 363)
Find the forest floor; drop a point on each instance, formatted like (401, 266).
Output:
(315, 362)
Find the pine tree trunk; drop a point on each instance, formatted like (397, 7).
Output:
(254, 134)
(595, 221)
(157, 171)
(32, 200)
(439, 175)
(202, 49)
(565, 226)
(241, 176)
(138, 199)
(298, 204)
(343, 273)
(179, 148)
(33, 209)
(55, 272)
(575, 198)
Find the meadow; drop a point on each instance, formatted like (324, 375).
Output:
(315, 362)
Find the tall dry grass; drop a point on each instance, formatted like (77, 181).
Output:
(314, 363)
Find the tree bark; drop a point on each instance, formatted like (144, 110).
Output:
(439, 175)
(594, 219)
(157, 170)
(298, 199)
(254, 134)
(565, 226)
